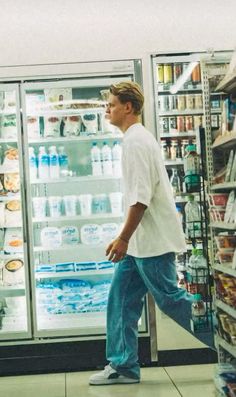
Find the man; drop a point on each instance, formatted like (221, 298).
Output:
(144, 252)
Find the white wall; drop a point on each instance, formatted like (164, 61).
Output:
(48, 31)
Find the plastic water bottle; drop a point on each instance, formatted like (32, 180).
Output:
(175, 182)
(192, 169)
(116, 153)
(32, 163)
(106, 159)
(192, 218)
(43, 163)
(54, 168)
(201, 268)
(96, 160)
(63, 161)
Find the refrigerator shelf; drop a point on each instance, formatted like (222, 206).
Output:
(11, 256)
(78, 320)
(223, 225)
(74, 247)
(226, 308)
(8, 140)
(80, 138)
(84, 273)
(87, 178)
(10, 196)
(11, 291)
(165, 88)
(174, 162)
(184, 112)
(177, 135)
(65, 112)
(76, 217)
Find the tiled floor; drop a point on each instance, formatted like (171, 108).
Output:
(185, 381)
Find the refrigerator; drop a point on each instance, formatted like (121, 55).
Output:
(60, 167)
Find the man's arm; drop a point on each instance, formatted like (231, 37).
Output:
(118, 247)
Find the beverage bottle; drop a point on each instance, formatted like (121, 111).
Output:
(192, 218)
(201, 267)
(106, 159)
(43, 163)
(116, 153)
(96, 160)
(33, 163)
(63, 161)
(54, 169)
(192, 169)
(175, 182)
(192, 266)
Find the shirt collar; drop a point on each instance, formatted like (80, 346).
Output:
(128, 132)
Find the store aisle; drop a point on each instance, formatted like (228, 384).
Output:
(195, 380)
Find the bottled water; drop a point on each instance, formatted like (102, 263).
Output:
(96, 160)
(192, 218)
(43, 163)
(175, 182)
(63, 161)
(106, 159)
(54, 169)
(32, 163)
(192, 169)
(116, 159)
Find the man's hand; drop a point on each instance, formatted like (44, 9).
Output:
(116, 250)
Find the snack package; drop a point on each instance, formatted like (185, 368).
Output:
(13, 272)
(72, 126)
(58, 98)
(11, 160)
(12, 182)
(13, 216)
(9, 127)
(2, 215)
(70, 235)
(13, 242)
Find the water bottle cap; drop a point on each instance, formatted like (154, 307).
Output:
(94, 143)
(197, 297)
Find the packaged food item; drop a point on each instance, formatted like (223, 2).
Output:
(225, 255)
(109, 231)
(33, 128)
(11, 160)
(224, 241)
(51, 237)
(229, 206)
(218, 199)
(8, 127)
(13, 242)
(13, 272)
(85, 266)
(90, 122)
(65, 267)
(91, 234)
(58, 98)
(72, 126)
(2, 215)
(52, 127)
(70, 235)
(13, 216)
(12, 182)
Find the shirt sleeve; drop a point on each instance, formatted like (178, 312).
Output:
(142, 175)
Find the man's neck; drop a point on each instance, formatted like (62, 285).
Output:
(129, 123)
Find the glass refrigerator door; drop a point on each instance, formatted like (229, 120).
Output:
(74, 203)
(14, 300)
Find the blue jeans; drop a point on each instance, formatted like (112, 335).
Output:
(133, 278)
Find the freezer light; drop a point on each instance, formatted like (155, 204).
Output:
(183, 78)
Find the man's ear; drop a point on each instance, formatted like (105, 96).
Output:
(128, 107)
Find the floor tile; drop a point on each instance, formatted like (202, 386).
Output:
(51, 385)
(194, 380)
(155, 383)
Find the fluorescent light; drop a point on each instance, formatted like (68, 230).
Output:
(183, 78)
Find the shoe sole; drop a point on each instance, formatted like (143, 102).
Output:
(113, 382)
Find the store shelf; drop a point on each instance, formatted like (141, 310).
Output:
(11, 291)
(226, 308)
(223, 225)
(225, 268)
(82, 138)
(224, 186)
(185, 112)
(7, 170)
(174, 162)
(225, 141)
(12, 256)
(178, 134)
(226, 346)
(10, 196)
(74, 247)
(8, 140)
(62, 218)
(84, 273)
(73, 179)
(65, 112)
(228, 84)
(8, 112)
(165, 88)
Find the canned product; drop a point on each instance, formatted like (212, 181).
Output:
(181, 102)
(168, 74)
(172, 102)
(173, 149)
(189, 123)
(163, 102)
(196, 75)
(214, 121)
(180, 124)
(164, 124)
(177, 70)
(198, 101)
(160, 73)
(185, 65)
(197, 122)
(189, 101)
(173, 124)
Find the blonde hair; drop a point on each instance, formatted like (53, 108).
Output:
(129, 91)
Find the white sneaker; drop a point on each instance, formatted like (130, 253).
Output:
(109, 376)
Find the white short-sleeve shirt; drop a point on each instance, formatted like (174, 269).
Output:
(146, 181)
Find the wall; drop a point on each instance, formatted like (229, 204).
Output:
(48, 31)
